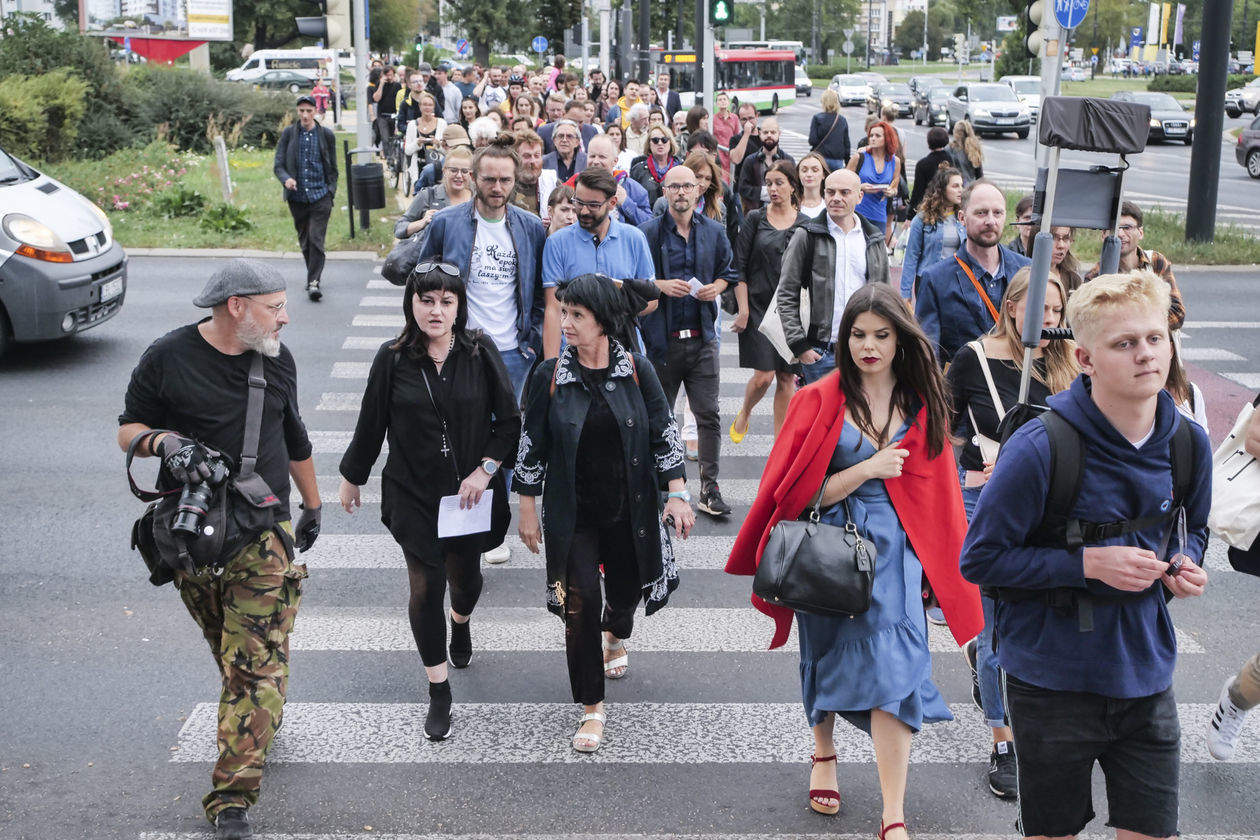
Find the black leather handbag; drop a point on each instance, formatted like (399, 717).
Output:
(817, 568)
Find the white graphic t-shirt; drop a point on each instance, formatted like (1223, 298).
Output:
(492, 283)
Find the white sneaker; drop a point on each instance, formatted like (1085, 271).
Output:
(1225, 725)
(498, 555)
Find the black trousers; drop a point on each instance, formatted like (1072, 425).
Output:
(612, 546)
(460, 566)
(311, 222)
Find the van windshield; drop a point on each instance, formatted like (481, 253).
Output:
(10, 171)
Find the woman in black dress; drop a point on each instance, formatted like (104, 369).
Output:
(758, 258)
(599, 443)
(441, 394)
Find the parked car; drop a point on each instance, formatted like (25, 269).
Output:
(804, 87)
(1028, 89)
(289, 80)
(891, 93)
(1169, 120)
(933, 107)
(1072, 73)
(851, 89)
(922, 84)
(61, 272)
(991, 108)
(1248, 149)
(872, 78)
(1246, 98)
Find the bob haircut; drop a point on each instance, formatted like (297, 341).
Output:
(612, 303)
(436, 277)
(1094, 303)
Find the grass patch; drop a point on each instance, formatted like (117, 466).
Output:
(136, 189)
(1166, 233)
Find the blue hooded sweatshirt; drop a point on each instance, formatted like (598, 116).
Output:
(1132, 650)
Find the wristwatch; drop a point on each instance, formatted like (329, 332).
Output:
(685, 495)
(489, 466)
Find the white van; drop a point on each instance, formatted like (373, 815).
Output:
(307, 62)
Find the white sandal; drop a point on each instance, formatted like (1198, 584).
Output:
(622, 662)
(588, 742)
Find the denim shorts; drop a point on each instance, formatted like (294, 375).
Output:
(1060, 734)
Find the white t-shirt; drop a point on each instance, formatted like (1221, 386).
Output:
(813, 212)
(492, 283)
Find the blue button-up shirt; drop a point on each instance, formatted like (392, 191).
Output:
(950, 310)
(679, 261)
(622, 254)
(311, 179)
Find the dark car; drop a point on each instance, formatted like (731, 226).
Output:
(895, 93)
(1169, 120)
(283, 80)
(922, 84)
(932, 108)
(1248, 149)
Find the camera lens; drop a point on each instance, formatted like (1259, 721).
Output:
(192, 507)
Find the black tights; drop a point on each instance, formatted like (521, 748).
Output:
(461, 566)
(614, 547)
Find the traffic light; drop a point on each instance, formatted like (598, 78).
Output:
(720, 12)
(1034, 41)
(333, 27)
(960, 44)
(419, 43)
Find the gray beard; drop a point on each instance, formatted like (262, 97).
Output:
(255, 338)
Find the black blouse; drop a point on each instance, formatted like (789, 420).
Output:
(600, 477)
(968, 389)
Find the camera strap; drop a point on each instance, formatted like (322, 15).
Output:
(253, 415)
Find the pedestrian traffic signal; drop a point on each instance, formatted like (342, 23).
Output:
(1034, 41)
(720, 12)
(333, 27)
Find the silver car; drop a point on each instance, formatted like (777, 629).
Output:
(61, 271)
(1028, 89)
(851, 89)
(991, 108)
(1246, 98)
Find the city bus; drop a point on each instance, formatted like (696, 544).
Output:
(766, 78)
(797, 48)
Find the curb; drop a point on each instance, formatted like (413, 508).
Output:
(227, 253)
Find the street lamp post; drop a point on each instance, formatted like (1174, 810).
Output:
(925, 45)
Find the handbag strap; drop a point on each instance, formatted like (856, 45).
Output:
(988, 378)
(253, 415)
(979, 289)
(834, 123)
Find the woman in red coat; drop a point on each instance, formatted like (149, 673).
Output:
(875, 431)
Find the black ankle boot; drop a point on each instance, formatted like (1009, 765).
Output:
(437, 724)
(461, 643)
(233, 824)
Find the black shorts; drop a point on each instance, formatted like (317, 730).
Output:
(1060, 734)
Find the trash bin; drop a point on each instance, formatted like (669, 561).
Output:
(368, 186)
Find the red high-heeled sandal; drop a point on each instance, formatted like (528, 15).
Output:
(884, 829)
(823, 793)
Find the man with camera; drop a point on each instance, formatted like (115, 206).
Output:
(188, 403)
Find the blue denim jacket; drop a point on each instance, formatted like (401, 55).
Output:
(925, 248)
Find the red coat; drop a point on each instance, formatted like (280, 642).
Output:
(925, 496)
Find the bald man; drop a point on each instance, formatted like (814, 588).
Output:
(957, 299)
(752, 173)
(835, 255)
(692, 259)
(632, 200)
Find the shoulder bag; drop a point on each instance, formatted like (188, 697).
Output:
(239, 510)
(988, 446)
(1235, 516)
(817, 568)
(771, 325)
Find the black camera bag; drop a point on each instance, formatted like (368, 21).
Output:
(241, 509)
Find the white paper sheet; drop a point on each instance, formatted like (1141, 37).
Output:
(454, 522)
(696, 286)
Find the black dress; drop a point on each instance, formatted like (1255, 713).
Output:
(476, 399)
(759, 261)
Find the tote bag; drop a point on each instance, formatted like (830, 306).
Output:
(771, 326)
(1235, 516)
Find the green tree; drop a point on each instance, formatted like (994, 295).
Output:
(909, 35)
(555, 16)
(486, 24)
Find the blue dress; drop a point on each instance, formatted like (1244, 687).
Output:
(874, 206)
(878, 660)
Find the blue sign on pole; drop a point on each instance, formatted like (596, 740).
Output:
(461, 46)
(1194, 52)
(1070, 13)
(1135, 37)
(539, 44)
(127, 45)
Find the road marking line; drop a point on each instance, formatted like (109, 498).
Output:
(637, 733)
(1222, 325)
(1247, 380)
(381, 285)
(378, 321)
(365, 342)
(350, 370)
(1209, 354)
(382, 301)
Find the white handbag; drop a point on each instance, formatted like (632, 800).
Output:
(771, 326)
(1235, 516)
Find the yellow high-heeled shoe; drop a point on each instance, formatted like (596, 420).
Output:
(737, 437)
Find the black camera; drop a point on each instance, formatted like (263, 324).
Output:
(194, 501)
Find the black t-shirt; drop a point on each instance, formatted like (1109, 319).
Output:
(969, 389)
(600, 478)
(184, 384)
(388, 104)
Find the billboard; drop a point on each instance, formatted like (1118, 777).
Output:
(176, 20)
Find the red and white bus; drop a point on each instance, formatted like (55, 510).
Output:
(766, 78)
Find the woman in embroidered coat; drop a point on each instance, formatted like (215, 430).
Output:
(599, 444)
(874, 433)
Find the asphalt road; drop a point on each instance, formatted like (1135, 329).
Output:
(1158, 177)
(107, 689)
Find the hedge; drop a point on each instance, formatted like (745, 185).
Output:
(1190, 84)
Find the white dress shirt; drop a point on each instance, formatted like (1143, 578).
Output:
(850, 268)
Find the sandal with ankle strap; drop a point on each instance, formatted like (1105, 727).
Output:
(593, 739)
(823, 793)
(884, 829)
(622, 662)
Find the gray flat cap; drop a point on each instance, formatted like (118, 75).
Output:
(239, 277)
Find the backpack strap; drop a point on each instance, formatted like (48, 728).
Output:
(1067, 470)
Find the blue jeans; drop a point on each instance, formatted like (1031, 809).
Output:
(518, 365)
(819, 369)
(986, 661)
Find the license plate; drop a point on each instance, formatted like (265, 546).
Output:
(1174, 130)
(111, 289)
(1005, 122)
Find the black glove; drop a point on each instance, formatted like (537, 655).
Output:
(184, 458)
(307, 530)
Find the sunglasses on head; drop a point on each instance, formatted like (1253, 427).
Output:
(446, 268)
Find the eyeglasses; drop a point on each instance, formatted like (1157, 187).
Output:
(590, 205)
(459, 171)
(679, 187)
(661, 140)
(444, 267)
(276, 308)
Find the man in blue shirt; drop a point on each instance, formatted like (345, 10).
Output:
(597, 244)
(306, 163)
(693, 261)
(958, 299)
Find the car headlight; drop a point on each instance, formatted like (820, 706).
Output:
(1192, 122)
(980, 112)
(38, 241)
(1155, 123)
(105, 224)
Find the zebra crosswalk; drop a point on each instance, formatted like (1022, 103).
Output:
(703, 694)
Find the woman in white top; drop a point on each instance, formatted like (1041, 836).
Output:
(812, 171)
(423, 134)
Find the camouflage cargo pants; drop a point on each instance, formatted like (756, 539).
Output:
(246, 614)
